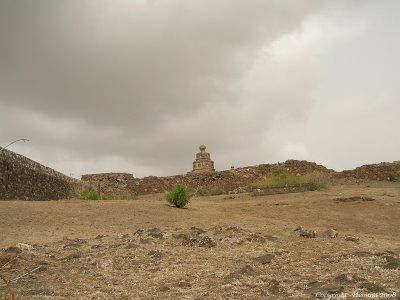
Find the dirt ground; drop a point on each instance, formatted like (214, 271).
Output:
(220, 247)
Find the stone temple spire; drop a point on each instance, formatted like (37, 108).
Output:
(203, 163)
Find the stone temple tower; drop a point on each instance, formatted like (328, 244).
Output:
(203, 163)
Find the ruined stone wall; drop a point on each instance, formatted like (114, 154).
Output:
(22, 178)
(382, 171)
(230, 180)
(226, 181)
(111, 184)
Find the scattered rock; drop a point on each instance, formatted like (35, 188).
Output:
(74, 243)
(230, 241)
(184, 284)
(235, 229)
(354, 199)
(205, 241)
(42, 268)
(271, 238)
(123, 236)
(163, 288)
(181, 235)
(100, 236)
(280, 251)
(247, 270)
(323, 290)
(331, 233)
(155, 233)
(273, 286)
(145, 241)
(363, 253)
(347, 278)
(255, 237)
(139, 232)
(239, 190)
(306, 233)
(371, 287)
(264, 259)
(329, 291)
(115, 245)
(12, 249)
(313, 287)
(131, 246)
(218, 230)
(386, 252)
(72, 256)
(156, 254)
(24, 247)
(197, 231)
(230, 197)
(392, 262)
(351, 238)
(154, 270)
(106, 264)
(43, 262)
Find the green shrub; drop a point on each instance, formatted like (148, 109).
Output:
(202, 191)
(392, 177)
(179, 196)
(88, 194)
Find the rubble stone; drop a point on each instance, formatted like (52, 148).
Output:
(23, 178)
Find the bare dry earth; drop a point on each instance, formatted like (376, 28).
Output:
(221, 247)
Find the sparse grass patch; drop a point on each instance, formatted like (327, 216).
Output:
(314, 181)
(179, 196)
(217, 191)
(202, 191)
(88, 194)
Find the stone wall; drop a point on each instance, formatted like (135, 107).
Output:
(111, 184)
(230, 180)
(226, 181)
(22, 178)
(383, 171)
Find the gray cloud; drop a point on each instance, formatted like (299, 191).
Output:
(137, 85)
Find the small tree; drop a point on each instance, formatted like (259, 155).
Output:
(179, 196)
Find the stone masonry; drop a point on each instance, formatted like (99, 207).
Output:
(203, 163)
(226, 181)
(112, 185)
(23, 178)
(236, 179)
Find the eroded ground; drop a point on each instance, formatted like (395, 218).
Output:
(221, 247)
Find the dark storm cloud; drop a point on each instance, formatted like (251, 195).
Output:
(137, 85)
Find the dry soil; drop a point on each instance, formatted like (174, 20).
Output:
(219, 247)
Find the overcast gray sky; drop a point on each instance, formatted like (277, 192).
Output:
(137, 86)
